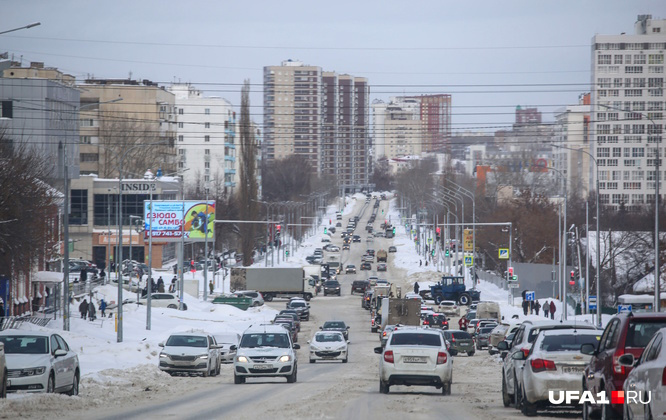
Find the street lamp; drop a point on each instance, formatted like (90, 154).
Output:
(32, 25)
(471, 195)
(149, 283)
(205, 289)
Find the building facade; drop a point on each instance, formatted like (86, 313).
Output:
(627, 113)
(572, 130)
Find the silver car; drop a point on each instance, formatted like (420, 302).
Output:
(40, 362)
(228, 344)
(190, 352)
(554, 363)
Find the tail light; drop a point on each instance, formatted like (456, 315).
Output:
(372, 322)
(388, 356)
(617, 368)
(663, 377)
(539, 365)
(441, 358)
(426, 322)
(453, 339)
(526, 352)
(384, 334)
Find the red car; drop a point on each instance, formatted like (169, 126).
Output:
(625, 333)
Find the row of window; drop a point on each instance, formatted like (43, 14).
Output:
(603, 129)
(627, 59)
(637, 82)
(631, 93)
(603, 46)
(616, 69)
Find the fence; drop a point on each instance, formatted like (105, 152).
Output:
(15, 322)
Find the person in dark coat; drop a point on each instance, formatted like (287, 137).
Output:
(102, 307)
(416, 287)
(552, 309)
(172, 287)
(91, 311)
(83, 308)
(537, 306)
(84, 275)
(546, 308)
(160, 285)
(525, 306)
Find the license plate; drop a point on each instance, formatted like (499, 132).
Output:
(263, 367)
(576, 370)
(413, 359)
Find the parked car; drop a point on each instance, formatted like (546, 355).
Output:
(522, 342)
(647, 376)
(366, 266)
(331, 287)
(159, 300)
(359, 286)
(339, 326)
(351, 268)
(227, 343)
(392, 249)
(483, 337)
(301, 306)
(266, 350)
(328, 345)
(415, 356)
(449, 307)
(461, 342)
(554, 362)
(292, 315)
(257, 297)
(625, 333)
(190, 352)
(3, 371)
(39, 362)
(289, 324)
(381, 267)
(436, 321)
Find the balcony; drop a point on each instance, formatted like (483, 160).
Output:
(230, 171)
(230, 158)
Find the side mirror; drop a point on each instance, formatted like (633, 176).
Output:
(348, 342)
(233, 348)
(308, 341)
(502, 345)
(503, 355)
(588, 349)
(379, 350)
(161, 344)
(321, 328)
(59, 353)
(626, 360)
(296, 346)
(347, 326)
(519, 355)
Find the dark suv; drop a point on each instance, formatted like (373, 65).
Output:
(625, 333)
(359, 286)
(436, 321)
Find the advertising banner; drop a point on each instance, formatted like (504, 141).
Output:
(468, 240)
(173, 220)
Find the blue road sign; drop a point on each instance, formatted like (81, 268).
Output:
(592, 303)
(623, 308)
(529, 296)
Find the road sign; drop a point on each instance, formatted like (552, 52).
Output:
(623, 308)
(513, 285)
(469, 260)
(529, 296)
(503, 253)
(468, 240)
(592, 303)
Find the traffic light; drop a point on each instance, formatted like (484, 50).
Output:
(446, 252)
(510, 271)
(572, 280)
(394, 231)
(278, 227)
(325, 230)
(432, 253)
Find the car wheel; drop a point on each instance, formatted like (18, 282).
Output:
(506, 398)
(312, 360)
(529, 409)
(50, 386)
(292, 378)
(446, 388)
(308, 318)
(219, 368)
(75, 385)
(470, 353)
(383, 388)
(172, 306)
(207, 372)
(464, 299)
(239, 379)
(269, 298)
(607, 412)
(345, 359)
(3, 386)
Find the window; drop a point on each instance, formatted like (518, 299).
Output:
(7, 109)
(207, 111)
(181, 137)
(617, 152)
(85, 139)
(180, 125)
(86, 122)
(604, 199)
(180, 111)
(78, 214)
(639, 59)
(604, 59)
(206, 138)
(633, 69)
(207, 165)
(207, 125)
(89, 157)
(206, 151)
(633, 92)
(617, 59)
(637, 152)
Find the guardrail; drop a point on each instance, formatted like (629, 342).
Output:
(15, 322)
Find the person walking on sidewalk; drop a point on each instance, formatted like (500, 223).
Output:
(552, 309)
(546, 308)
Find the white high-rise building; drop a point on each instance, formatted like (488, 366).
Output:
(206, 131)
(627, 109)
(572, 130)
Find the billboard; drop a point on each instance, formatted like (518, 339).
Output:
(468, 240)
(173, 220)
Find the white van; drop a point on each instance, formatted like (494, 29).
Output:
(488, 310)
(325, 238)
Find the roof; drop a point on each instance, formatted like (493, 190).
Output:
(577, 330)
(268, 328)
(29, 333)
(48, 277)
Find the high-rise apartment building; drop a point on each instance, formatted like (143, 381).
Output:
(206, 138)
(627, 108)
(322, 116)
(435, 115)
(398, 128)
(572, 130)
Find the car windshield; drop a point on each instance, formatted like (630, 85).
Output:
(265, 340)
(334, 324)
(25, 344)
(331, 283)
(328, 338)
(187, 341)
(297, 304)
(568, 342)
(641, 331)
(415, 339)
(486, 330)
(461, 335)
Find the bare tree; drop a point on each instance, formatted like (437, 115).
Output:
(287, 179)
(247, 194)
(381, 176)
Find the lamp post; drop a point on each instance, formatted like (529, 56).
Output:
(149, 282)
(471, 195)
(205, 289)
(657, 275)
(32, 25)
(596, 165)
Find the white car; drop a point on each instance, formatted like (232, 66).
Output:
(449, 307)
(162, 300)
(328, 345)
(257, 297)
(265, 351)
(190, 352)
(412, 295)
(554, 363)
(228, 344)
(648, 375)
(415, 356)
(40, 362)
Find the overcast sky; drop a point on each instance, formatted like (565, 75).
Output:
(490, 55)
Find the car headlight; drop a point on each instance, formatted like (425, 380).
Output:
(164, 355)
(241, 359)
(314, 348)
(285, 358)
(203, 356)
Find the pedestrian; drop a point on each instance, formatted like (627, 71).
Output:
(546, 308)
(463, 323)
(552, 309)
(426, 263)
(91, 311)
(211, 286)
(84, 275)
(416, 287)
(2, 312)
(160, 285)
(172, 286)
(420, 263)
(525, 304)
(531, 307)
(102, 307)
(537, 306)
(83, 308)
(153, 285)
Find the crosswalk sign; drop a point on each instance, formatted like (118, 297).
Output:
(469, 260)
(503, 254)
